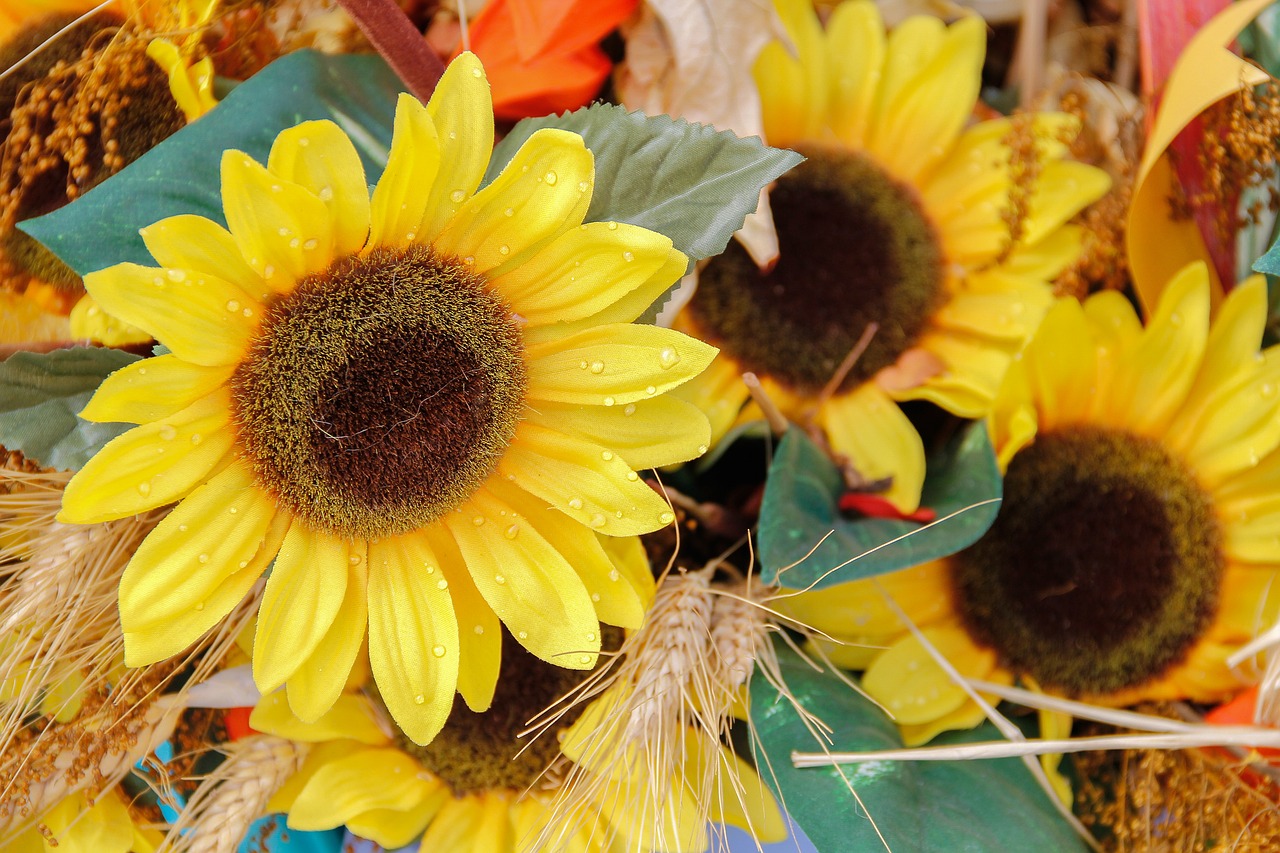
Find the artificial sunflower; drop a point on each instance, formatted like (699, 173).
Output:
(421, 407)
(1135, 549)
(901, 217)
(478, 786)
(80, 823)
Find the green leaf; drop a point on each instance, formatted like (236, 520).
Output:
(181, 174)
(690, 182)
(989, 806)
(40, 396)
(800, 507)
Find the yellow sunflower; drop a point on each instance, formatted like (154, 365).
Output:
(80, 823)
(901, 216)
(477, 786)
(1136, 548)
(419, 408)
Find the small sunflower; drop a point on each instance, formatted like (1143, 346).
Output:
(943, 236)
(420, 408)
(478, 786)
(1136, 547)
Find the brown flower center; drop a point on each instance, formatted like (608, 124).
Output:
(381, 393)
(1103, 567)
(856, 248)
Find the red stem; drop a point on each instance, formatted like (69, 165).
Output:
(405, 49)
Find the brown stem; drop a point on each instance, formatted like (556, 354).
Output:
(405, 49)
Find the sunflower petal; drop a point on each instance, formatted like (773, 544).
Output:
(307, 586)
(618, 363)
(543, 191)
(392, 829)
(201, 318)
(153, 464)
(413, 635)
(527, 582)
(872, 431)
(1060, 366)
(908, 682)
(856, 45)
(319, 157)
(740, 797)
(794, 90)
(479, 631)
(319, 680)
(399, 200)
(273, 221)
(647, 434)
(587, 483)
(462, 110)
(190, 242)
(352, 717)
(152, 389)
(360, 782)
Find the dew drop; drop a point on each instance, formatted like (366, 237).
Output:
(1175, 319)
(1268, 390)
(295, 243)
(618, 514)
(651, 390)
(438, 651)
(613, 226)
(431, 570)
(457, 196)
(233, 305)
(628, 257)
(629, 410)
(582, 364)
(591, 637)
(478, 521)
(609, 401)
(512, 532)
(583, 186)
(595, 596)
(597, 367)
(203, 558)
(469, 260)
(702, 448)
(666, 517)
(613, 575)
(585, 658)
(504, 249)
(477, 73)
(167, 432)
(232, 510)
(144, 489)
(354, 559)
(176, 275)
(499, 579)
(196, 438)
(420, 699)
(668, 358)
(310, 244)
(284, 232)
(606, 455)
(199, 605)
(182, 528)
(453, 134)
(632, 476)
(598, 520)
(244, 563)
(268, 271)
(158, 281)
(442, 584)
(142, 371)
(509, 212)
(575, 503)
(524, 635)
(248, 312)
(326, 193)
(479, 629)
(551, 178)
(304, 142)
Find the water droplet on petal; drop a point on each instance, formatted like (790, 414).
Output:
(326, 193)
(431, 570)
(585, 658)
(196, 438)
(354, 559)
(203, 558)
(551, 178)
(477, 73)
(504, 249)
(613, 226)
(457, 196)
(512, 532)
(629, 410)
(613, 575)
(310, 244)
(144, 489)
(628, 257)
(597, 367)
(583, 186)
(438, 651)
(499, 580)
(510, 211)
(702, 448)
(632, 476)
(167, 432)
(295, 243)
(233, 305)
(479, 629)
(609, 401)
(176, 275)
(651, 390)
(524, 635)
(575, 503)
(182, 528)
(232, 510)
(591, 637)
(442, 584)
(158, 281)
(268, 271)
(420, 699)
(595, 596)
(606, 455)
(598, 520)
(666, 517)
(478, 521)
(199, 605)
(668, 358)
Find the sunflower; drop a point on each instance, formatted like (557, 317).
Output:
(80, 823)
(421, 406)
(478, 787)
(942, 236)
(1135, 550)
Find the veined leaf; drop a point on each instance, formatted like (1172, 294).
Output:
(40, 396)
(957, 806)
(800, 508)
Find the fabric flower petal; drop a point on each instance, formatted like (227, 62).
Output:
(319, 679)
(399, 203)
(461, 110)
(318, 156)
(189, 242)
(153, 388)
(872, 431)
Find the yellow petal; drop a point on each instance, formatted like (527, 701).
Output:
(319, 157)
(627, 307)
(352, 717)
(189, 242)
(616, 601)
(543, 191)
(360, 782)
(629, 557)
(912, 45)
(218, 531)
(302, 598)
(454, 826)
(527, 582)
(586, 482)
(794, 90)
(614, 364)
(84, 826)
(400, 199)
(479, 631)
(582, 272)
(153, 388)
(413, 635)
(1060, 366)
(1063, 189)
(200, 317)
(391, 829)
(151, 465)
(1235, 427)
(719, 393)
(318, 681)
(647, 434)
(317, 756)
(920, 117)
(872, 431)
(913, 688)
(860, 607)
(273, 221)
(967, 716)
(856, 46)
(462, 110)
(739, 796)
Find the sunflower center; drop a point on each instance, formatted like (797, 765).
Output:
(380, 393)
(1103, 567)
(483, 752)
(856, 248)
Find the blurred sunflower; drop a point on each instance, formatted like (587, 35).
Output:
(942, 236)
(1136, 547)
(80, 823)
(478, 786)
(387, 398)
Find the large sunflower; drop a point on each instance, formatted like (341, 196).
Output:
(900, 217)
(1136, 547)
(419, 408)
(477, 786)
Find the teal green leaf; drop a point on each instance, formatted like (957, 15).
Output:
(800, 507)
(691, 182)
(181, 174)
(40, 396)
(990, 806)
